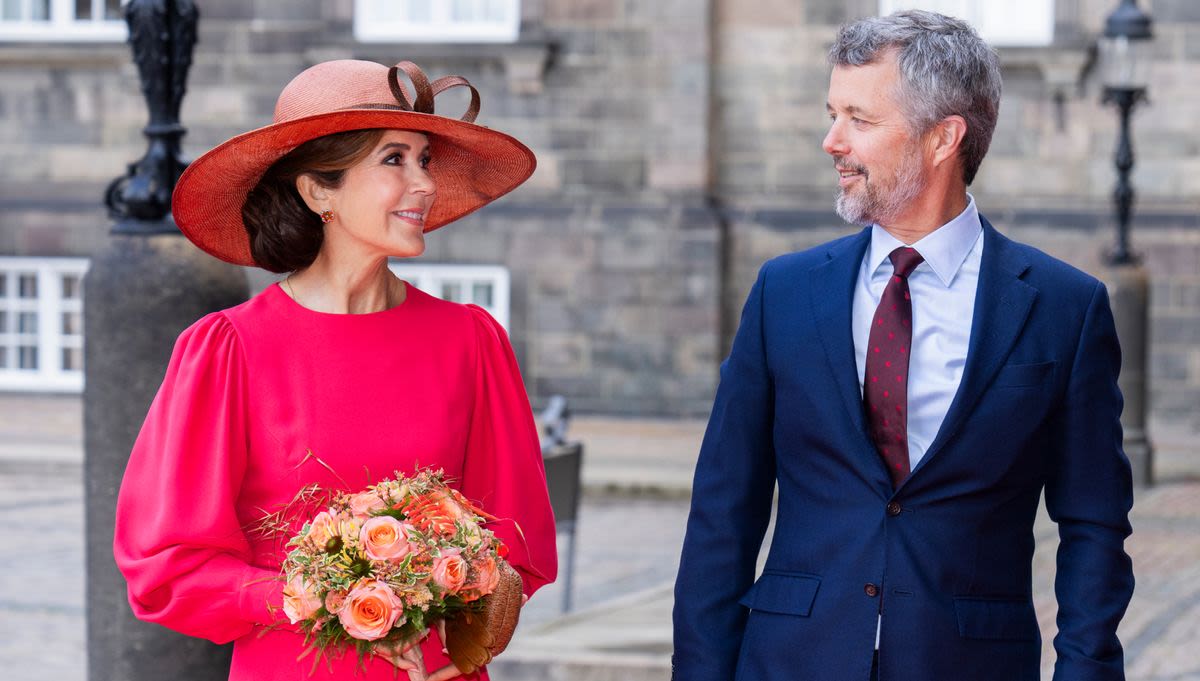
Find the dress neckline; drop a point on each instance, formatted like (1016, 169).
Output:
(288, 301)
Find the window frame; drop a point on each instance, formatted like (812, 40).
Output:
(368, 28)
(63, 27)
(975, 15)
(49, 338)
(431, 277)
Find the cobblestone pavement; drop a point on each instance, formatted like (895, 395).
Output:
(41, 590)
(630, 638)
(629, 534)
(627, 555)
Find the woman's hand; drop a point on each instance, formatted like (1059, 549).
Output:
(451, 671)
(406, 656)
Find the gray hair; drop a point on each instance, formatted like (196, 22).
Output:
(946, 69)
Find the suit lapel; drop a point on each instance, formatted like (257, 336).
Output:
(1002, 304)
(832, 287)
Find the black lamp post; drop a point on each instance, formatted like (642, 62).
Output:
(1124, 63)
(162, 35)
(1125, 53)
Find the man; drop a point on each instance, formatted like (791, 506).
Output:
(911, 389)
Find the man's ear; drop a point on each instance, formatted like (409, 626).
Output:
(315, 195)
(946, 138)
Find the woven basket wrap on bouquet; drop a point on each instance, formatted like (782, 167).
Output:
(473, 639)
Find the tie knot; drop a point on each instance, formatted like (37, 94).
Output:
(905, 260)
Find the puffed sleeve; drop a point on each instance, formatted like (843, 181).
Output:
(503, 469)
(178, 540)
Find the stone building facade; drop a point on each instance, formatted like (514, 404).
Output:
(679, 146)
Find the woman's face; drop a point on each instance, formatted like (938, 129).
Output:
(385, 197)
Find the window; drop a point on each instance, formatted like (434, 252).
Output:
(1010, 23)
(482, 285)
(62, 20)
(437, 21)
(41, 324)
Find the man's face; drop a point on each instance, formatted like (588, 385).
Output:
(881, 165)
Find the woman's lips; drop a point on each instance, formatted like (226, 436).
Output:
(411, 216)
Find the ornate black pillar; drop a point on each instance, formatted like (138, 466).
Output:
(141, 291)
(1129, 289)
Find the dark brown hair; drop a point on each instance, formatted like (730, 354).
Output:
(285, 235)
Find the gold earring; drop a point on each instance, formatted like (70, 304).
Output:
(326, 216)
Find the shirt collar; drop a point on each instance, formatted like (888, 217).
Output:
(944, 249)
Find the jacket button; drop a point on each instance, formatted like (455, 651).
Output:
(871, 590)
(893, 508)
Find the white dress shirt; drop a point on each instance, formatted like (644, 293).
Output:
(942, 290)
(943, 302)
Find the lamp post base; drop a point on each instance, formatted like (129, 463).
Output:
(1129, 290)
(139, 294)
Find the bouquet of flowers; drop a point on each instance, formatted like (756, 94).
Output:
(376, 568)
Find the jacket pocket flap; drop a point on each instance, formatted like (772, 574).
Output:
(996, 618)
(1016, 375)
(786, 593)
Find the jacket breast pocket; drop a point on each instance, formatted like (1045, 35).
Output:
(1023, 375)
(784, 593)
(997, 619)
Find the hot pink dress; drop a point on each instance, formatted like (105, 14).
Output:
(267, 397)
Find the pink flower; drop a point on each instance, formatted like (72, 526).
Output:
(449, 570)
(334, 600)
(370, 610)
(384, 538)
(486, 579)
(300, 601)
(363, 503)
(321, 529)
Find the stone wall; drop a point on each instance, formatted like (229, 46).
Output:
(611, 244)
(1170, 245)
(614, 304)
(1047, 179)
(679, 148)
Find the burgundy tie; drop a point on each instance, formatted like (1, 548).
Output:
(885, 384)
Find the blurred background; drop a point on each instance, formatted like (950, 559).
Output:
(679, 147)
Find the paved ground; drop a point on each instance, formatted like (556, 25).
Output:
(631, 526)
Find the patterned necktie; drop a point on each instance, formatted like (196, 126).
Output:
(885, 384)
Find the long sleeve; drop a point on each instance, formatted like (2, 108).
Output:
(503, 470)
(731, 507)
(1089, 496)
(178, 539)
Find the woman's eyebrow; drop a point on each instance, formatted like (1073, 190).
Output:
(401, 146)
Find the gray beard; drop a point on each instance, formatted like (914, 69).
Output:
(881, 205)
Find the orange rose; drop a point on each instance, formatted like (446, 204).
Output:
(486, 578)
(334, 600)
(370, 611)
(384, 538)
(300, 602)
(363, 503)
(450, 570)
(321, 529)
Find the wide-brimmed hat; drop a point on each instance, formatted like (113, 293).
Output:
(471, 164)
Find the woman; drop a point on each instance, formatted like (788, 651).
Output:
(339, 375)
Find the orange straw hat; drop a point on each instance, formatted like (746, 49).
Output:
(471, 164)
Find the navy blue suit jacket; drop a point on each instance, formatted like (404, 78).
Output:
(947, 556)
